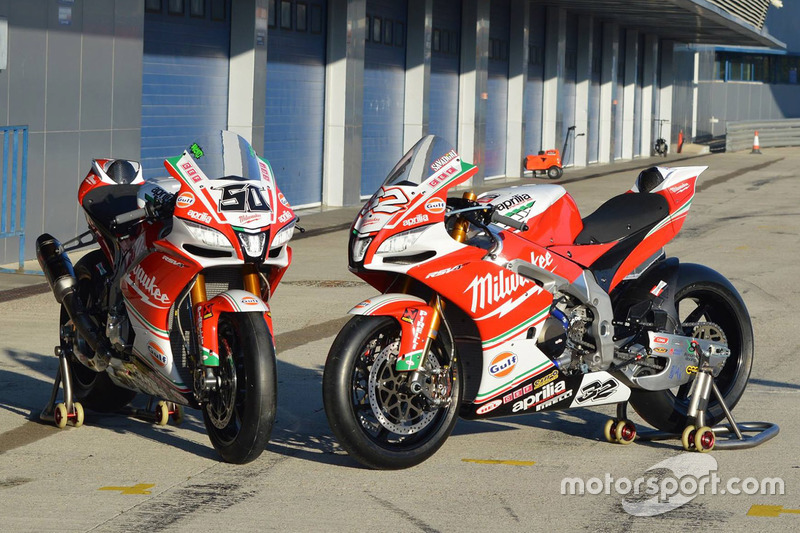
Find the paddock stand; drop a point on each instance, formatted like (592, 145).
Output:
(696, 435)
(60, 413)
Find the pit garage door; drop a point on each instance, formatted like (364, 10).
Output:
(497, 105)
(534, 90)
(295, 100)
(184, 76)
(445, 46)
(384, 91)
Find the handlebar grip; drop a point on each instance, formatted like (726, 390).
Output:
(130, 216)
(510, 222)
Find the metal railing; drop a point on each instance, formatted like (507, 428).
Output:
(14, 185)
(771, 134)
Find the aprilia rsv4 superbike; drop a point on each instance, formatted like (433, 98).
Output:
(511, 303)
(174, 303)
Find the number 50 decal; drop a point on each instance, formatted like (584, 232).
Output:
(244, 197)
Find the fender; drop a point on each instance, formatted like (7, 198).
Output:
(415, 318)
(207, 318)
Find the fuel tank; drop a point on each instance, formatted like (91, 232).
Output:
(550, 212)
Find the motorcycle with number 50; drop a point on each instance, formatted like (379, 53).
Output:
(511, 302)
(174, 303)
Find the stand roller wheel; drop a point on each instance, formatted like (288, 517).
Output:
(78, 413)
(60, 415)
(687, 438)
(704, 439)
(609, 431)
(625, 432)
(177, 414)
(162, 413)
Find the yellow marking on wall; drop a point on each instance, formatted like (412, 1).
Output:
(499, 462)
(140, 488)
(770, 510)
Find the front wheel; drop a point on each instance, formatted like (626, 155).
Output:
(372, 412)
(239, 415)
(707, 310)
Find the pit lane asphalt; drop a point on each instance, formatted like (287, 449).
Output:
(123, 474)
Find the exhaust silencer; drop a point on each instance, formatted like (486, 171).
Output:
(60, 276)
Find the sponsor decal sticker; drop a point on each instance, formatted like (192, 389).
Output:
(659, 288)
(513, 201)
(186, 199)
(541, 382)
(244, 219)
(503, 364)
(156, 354)
(248, 300)
(192, 172)
(491, 289)
(206, 311)
(491, 406)
(549, 395)
(363, 304)
(679, 188)
(435, 206)
(660, 340)
(286, 215)
(442, 161)
(172, 261)
(542, 261)
(283, 199)
(660, 350)
(597, 390)
(511, 396)
(410, 315)
(413, 221)
(443, 272)
(146, 283)
(199, 216)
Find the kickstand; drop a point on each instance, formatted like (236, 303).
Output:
(63, 377)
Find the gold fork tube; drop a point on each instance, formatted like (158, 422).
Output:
(252, 284)
(198, 292)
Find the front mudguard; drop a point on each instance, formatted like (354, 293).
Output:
(207, 318)
(415, 317)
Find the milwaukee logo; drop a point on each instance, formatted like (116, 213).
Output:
(491, 289)
(148, 284)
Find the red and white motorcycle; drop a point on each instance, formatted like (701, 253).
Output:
(511, 303)
(174, 303)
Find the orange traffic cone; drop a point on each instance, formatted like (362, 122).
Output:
(756, 148)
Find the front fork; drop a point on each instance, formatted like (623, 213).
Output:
(418, 377)
(199, 295)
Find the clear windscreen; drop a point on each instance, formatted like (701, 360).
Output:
(429, 155)
(225, 155)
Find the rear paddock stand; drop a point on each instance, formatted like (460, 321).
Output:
(60, 413)
(696, 435)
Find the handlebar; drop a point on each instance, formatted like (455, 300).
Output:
(508, 221)
(130, 216)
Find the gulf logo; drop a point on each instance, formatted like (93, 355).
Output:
(491, 406)
(503, 364)
(157, 354)
(247, 300)
(435, 206)
(185, 200)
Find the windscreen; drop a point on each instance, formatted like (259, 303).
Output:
(429, 155)
(225, 155)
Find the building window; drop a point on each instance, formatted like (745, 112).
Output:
(388, 37)
(218, 10)
(152, 6)
(271, 15)
(399, 34)
(175, 7)
(437, 40)
(316, 19)
(286, 15)
(197, 8)
(377, 29)
(301, 17)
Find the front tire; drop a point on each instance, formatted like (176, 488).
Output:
(240, 415)
(378, 421)
(715, 303)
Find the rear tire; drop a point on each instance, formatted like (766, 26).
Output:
(704, 301)
(364, 343)
(240, 415)
(94, 390)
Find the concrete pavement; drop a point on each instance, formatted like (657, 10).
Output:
(121, 474)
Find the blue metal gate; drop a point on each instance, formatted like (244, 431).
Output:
(15, 178)
(184, 76)
(497, 106)
(384, 91)
(445, 49)
(295, 100)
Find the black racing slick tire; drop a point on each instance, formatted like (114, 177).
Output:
(94, 390)
(715, 302)
(240, 413)
(373, 415)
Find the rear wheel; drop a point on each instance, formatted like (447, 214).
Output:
(724, 318)
(370, 408)
(94, 390)
(239, 415)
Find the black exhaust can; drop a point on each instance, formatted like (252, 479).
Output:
(56, 265)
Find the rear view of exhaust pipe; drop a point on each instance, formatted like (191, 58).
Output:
(60, 275)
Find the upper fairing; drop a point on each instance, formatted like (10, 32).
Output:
(523, 202)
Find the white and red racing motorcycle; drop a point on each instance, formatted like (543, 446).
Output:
(175, 302)
(512, 303)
